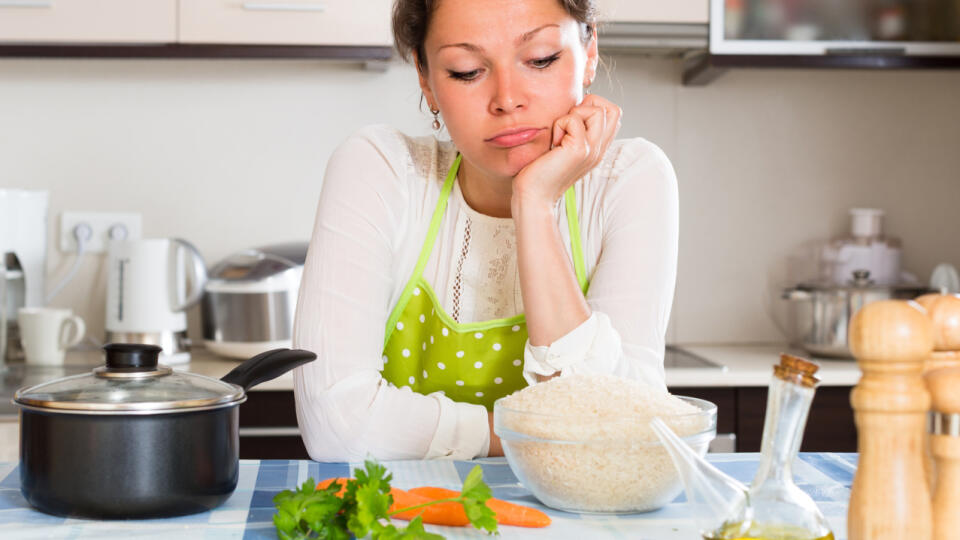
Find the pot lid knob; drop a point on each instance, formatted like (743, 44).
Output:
(861, 278)
(132, 355)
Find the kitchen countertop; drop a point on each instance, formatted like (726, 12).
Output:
(248, 513)
(686, 366)
(752, 365)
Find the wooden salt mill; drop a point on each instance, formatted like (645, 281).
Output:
(944, 386)
(890, 498)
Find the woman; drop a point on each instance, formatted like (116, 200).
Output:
(442, 276)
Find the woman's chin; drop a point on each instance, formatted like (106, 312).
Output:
(515, 159)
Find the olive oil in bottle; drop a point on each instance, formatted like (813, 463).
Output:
(746, 530)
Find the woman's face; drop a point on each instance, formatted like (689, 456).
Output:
(501, 72)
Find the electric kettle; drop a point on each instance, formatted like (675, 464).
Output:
(150, 285)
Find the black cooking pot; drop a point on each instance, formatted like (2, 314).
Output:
(134, 439)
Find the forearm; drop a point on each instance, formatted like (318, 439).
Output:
(552, 300)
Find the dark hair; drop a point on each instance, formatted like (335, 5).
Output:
(411, 18)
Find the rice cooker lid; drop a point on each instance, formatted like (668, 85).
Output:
(131, 382)
(276, 267)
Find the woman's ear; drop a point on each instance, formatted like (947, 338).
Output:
(424, 83)
(593, 58)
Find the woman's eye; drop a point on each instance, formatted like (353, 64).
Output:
(544, 62)
(464, 75)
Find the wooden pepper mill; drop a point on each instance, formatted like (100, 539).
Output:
(944, 386)
(944, 311)
(890, 498)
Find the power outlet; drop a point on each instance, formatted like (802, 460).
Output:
(100, 223)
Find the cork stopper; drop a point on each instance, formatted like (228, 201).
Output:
(944, 311)
(891, 331)
(796, 370)
(944, 387)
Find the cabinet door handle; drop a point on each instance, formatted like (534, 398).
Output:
(269, 432)
(45, 4)
(270, 6)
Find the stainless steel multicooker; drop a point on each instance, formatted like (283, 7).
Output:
(250, 298)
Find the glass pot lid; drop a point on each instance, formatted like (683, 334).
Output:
(131, 382)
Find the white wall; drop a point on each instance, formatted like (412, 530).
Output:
(230, 154)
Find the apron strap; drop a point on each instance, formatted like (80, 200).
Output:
(576, 248)
(425, 251)
(573, 223)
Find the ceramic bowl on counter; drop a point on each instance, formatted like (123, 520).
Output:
(608, 464)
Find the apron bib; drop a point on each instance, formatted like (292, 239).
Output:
(426, 350)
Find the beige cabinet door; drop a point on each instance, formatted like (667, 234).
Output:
(88, 21)
(286, 22)
(655, 11)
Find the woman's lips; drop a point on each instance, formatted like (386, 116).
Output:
(514, 137)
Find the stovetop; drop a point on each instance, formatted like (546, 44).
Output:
(675, 357)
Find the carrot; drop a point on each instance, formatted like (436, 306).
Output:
(436, 514)
(448, 513)
(324, 484)
(506, 513)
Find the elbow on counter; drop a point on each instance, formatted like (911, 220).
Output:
(337, 424)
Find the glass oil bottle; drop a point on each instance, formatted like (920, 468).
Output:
(773, 507)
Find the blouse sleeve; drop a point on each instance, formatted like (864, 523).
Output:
(346, 411)
(631, 289)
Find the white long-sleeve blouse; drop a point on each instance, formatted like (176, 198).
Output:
(378, 195)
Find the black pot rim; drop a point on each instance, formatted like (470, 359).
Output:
(145, 411)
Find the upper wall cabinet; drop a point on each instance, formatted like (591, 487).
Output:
(88, 21)
(655, 11)
(287, 22)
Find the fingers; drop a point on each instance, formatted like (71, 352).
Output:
(569, 132)
(602, 121)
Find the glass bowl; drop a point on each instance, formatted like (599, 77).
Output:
(594, 464)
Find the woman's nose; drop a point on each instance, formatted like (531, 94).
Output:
(508, 95)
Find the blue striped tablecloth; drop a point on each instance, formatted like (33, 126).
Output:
(248, 513)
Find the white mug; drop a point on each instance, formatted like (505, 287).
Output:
(46, 333)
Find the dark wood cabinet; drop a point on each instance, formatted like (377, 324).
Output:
(268, 420)
(741, 410)
(268, 427)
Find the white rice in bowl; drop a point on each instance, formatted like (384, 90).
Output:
(583, 442)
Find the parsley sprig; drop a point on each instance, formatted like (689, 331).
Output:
(364, 509)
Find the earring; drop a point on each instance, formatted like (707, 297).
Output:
(436, 119)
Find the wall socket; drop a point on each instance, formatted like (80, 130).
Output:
(100, 223)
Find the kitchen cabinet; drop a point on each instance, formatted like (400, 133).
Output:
(655, 11)
(88, 21)
(268, 427)
(342, 29)
(268, 422)
(741, 410)
(287, 22)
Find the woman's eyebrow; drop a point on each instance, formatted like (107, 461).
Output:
(526, 36)
(529, 35)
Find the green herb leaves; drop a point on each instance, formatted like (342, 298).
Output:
(474, 500)
(307, 511)
(363, 509)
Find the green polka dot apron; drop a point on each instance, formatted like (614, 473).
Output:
(426, 350)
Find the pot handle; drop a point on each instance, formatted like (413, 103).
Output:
(198, 276)
(796, 294)
(267, 366)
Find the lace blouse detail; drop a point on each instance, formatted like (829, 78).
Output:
(458, 274)
(484, 281)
